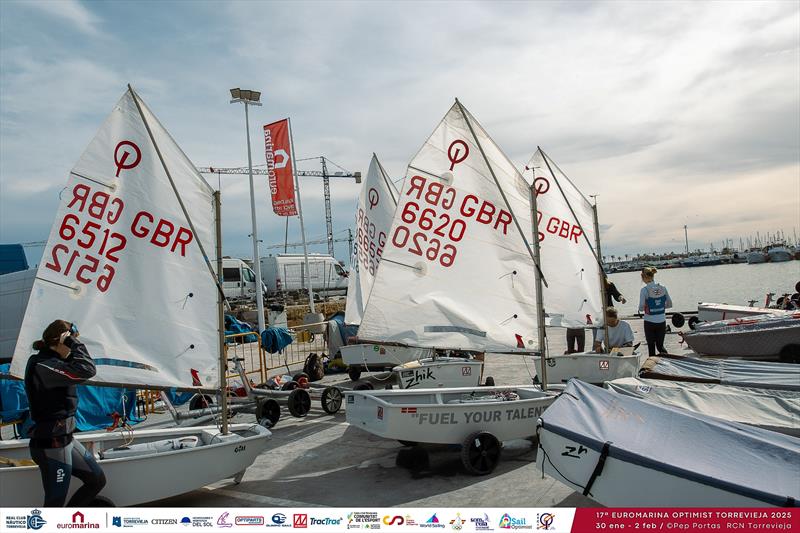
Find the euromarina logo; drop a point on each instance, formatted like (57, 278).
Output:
(249, 520)
(544, 521)
(509, 522)
(78, 522)
(481, 524)
(432, 522)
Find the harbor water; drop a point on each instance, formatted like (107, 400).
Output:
(733, 284)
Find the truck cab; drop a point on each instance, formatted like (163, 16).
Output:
(239, 280)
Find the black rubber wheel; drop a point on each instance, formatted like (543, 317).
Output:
(790, 353)
(299, 403)
(331, 400)
(290, 385)
(489, 382)
(364, 386)
(409, 443)
(677, 320)
(354, 372)
(480, 453)
(299, 375)
(268, 413)
(101, 501)
(200, 401)
(693, 320)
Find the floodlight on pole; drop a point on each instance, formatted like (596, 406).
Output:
(248, 98)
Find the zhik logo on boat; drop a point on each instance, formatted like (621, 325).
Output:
(509, 522)
(481, 524)
(432, 522)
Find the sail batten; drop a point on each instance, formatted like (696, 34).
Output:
(126, 265)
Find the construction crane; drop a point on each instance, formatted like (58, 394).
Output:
(285, 246)
(324, 174)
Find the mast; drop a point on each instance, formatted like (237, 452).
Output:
(256, 259)
(601, 272)
(223, 362)
(539, 296)
(300, 213)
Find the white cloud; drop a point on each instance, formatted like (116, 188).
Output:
(70, 11)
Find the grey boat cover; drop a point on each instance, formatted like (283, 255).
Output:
(756, 374)
(740, 459)
(748, 337)
(777, 410)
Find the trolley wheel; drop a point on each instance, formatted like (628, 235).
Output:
(693, 320)
(290, 385)
(200, 401)
(480, 453)
(408, 443)
(790, 353)
(489, 382)
(299, 403)
(331, 400)
(678, 320)
(101, 501)
(268, 413)
(301, 379)
(354, 372)
(364, 386)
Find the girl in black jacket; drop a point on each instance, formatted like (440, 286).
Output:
(51, 377)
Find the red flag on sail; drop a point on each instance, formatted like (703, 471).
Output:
(279, 168)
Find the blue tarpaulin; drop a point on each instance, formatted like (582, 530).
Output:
(13, 401)
(12, 258)
(273, 339)
(178, 398)
(234, 326)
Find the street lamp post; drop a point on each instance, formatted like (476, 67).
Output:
(248, 98)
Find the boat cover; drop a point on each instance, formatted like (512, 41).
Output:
(778, 410)
(741, 459)
(758, 374)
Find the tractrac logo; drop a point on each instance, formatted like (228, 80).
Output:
(326, 521)
(393, 520)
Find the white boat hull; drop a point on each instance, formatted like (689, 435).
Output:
(711, 312)
(442, 372)
(144, 478)
(442, 416)
(589, 367)
(624, 484)
(381, 356)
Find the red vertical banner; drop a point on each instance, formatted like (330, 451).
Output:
(279, 168)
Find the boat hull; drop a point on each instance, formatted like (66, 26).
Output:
(381, 356)
(768, 338)
(144, 478)
(711, 312)
(589, 367)
(443, 416)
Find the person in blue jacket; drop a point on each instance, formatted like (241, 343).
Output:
(654, 300)
(51, 377)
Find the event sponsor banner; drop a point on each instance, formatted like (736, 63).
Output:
(278, 151)
(445, 520)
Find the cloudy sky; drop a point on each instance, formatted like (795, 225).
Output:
(672, 112)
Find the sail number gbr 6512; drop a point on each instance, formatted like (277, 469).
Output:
(90, 247)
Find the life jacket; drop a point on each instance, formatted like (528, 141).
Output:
(52, 408)
(656, 301)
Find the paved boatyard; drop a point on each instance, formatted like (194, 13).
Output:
(320, 460)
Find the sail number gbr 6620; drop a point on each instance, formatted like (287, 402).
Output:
(434, 219)
(91, 247)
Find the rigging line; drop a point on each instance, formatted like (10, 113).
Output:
(399, 263)
(87, 178)
(177, 194)
(546, 162)
(59, 284)
(386, 179)
(502, 193)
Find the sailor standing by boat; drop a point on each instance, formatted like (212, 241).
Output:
(653, 302)
(51, 377)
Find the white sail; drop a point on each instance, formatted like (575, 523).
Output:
(376, 205)
(124, 265)
(568, 262)
(456, 271)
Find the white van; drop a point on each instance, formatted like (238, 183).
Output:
(287, 272)
(239, 280)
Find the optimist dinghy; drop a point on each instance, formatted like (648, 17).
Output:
(755, 337)
(625, 452)
(752, 374)
(775, 410)
(477, 418)
(712, 312)
(129, 259)
(595, 368)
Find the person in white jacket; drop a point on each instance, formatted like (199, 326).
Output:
(654, 300)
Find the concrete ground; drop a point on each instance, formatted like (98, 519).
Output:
(320, 460)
